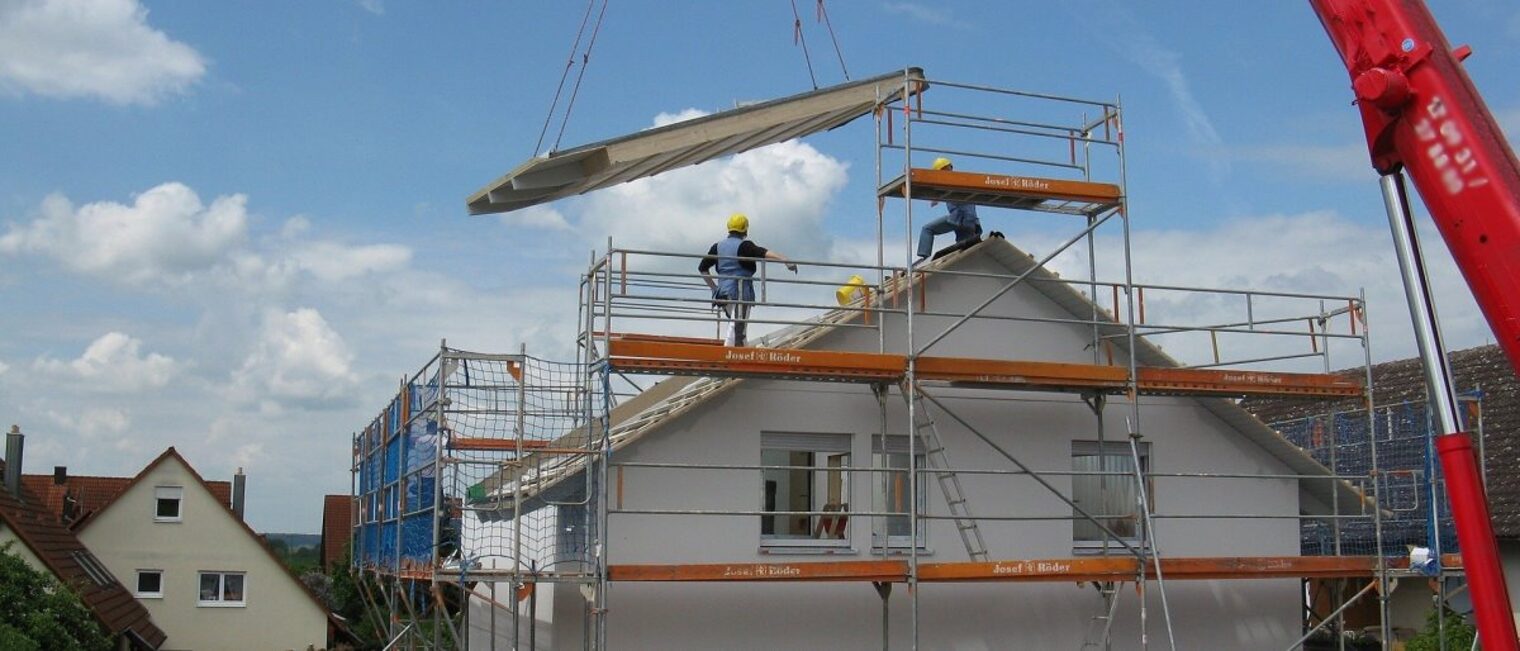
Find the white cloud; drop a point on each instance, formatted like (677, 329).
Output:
(934, 16)
(376, 7)
(165, 234)
(683, 115)
(540, 217)
(4, 367)
(92, 423)
(1131, 39)
(113, 362)
(784, 188)
(300, 360)
(91, 48)
(330, 261)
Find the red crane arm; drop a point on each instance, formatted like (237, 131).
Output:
(1423, 115)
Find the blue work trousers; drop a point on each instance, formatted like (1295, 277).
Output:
(939, 227)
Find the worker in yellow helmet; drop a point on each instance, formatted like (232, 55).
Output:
(733, 289)
(961, 219)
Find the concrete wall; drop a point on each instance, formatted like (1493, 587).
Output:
(1037, 427)
(277, 614)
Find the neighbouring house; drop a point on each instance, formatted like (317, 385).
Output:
(205, 576)
(74, 498)
(809, 430)
(46, 545)
(1490, 395)
(337, 528)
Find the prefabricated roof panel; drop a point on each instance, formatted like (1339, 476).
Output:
(646, 153)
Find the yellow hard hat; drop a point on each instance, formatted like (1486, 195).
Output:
(738, 223)
(941, 163)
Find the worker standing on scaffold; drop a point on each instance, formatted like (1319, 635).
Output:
(734, 288)
(961, 218)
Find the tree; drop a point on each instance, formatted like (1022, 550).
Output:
(1458, 633)
(36, 612)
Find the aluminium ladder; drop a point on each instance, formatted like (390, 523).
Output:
(926, 431)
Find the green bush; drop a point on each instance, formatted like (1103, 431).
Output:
(1459, 633)
(36, 612)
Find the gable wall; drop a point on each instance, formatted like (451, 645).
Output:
(1037, 427)
(278, 615)
(18, 548)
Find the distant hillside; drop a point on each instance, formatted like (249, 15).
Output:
(295, 540)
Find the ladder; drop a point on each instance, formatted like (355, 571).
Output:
(1100, 626)
(925, 430)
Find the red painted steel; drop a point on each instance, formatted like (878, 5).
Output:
(1422, 114)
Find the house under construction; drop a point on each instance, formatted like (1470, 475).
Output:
(973, 452)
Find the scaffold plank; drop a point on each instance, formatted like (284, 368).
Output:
(1230, 382)
(811, 571)
(637, 355)
(1006, 191)
(1098, 568)
(642, 355)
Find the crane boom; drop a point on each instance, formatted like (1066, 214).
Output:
(1422, 114)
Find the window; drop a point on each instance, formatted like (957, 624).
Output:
(166, 503)
(1109, 494)
(808, 475)
(92, 567)
(891, 491)
(221, 589)
(150, 584)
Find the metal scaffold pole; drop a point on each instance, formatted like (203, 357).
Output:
(910, 386)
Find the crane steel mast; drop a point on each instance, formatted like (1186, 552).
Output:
(1422, 114)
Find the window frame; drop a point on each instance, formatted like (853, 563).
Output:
(1103, 545)
(160, 494)
(822, 445)
(137, 590)
(881, 537)
(221, 588)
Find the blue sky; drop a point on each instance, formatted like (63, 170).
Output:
(231, 227)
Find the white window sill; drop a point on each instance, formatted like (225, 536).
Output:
(1095, 548)
(221, 604)
(805, 550)
(903, 550)
(148, 595)
(169, 520)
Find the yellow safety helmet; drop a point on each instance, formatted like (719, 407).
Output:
(941, 163)
(738, 223)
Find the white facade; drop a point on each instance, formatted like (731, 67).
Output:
(219, 589)
(1043, 429)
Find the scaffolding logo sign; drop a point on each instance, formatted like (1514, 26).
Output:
(1015, 568)
(769, 356)
(1253, 378)
(1016, 183)
(760, 571)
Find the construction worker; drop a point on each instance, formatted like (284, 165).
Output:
(961, 218)
(733, 290)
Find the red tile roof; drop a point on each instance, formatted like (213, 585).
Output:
(337, 527)
(57, 547)
(87, 494)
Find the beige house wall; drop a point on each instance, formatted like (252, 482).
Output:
(277, 614)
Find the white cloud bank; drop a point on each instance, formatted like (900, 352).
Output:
(299, 359)
(164, 234)
(113, 362)
(102, 49)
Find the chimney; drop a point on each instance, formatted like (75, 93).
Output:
(14, 443)
(239, 483)
(60, 475)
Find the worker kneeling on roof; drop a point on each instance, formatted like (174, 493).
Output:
(961, 218)
(734, 288)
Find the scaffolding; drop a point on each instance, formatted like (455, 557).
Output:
(531, 489)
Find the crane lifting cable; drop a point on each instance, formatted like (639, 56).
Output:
(569, 62)
(823, 17)
(799, 39)
(585, 61)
